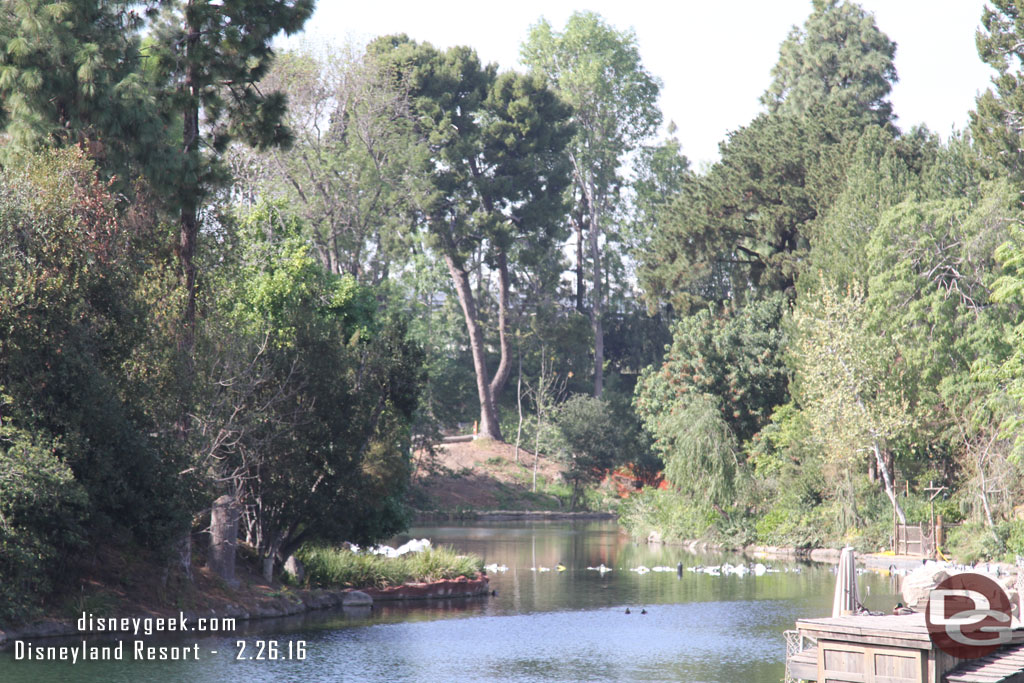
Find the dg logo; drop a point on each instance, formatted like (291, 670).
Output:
(968, 616)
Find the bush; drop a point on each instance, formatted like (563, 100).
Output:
(674, 516)
(42, 509)
(590, 443)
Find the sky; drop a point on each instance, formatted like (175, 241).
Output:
(713, 59)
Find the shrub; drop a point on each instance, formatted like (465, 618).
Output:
(42, 509)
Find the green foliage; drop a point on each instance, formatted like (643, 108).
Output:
(70, 74)
(352, 184)
(309, 396)
(847, 380)
(589, 441)
(597, 69)
(839, 59)
(673, 516)
(735, 357)
(995, 122)
(43, 518)
(72, 325)
(332, 567)
(740, 231)
(972, 542)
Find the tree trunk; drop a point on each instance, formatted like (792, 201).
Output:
(579, 266)
(519, 404)
(489, 426)
(505, 344)
(887, 480)
(189, 216)
(597, 305)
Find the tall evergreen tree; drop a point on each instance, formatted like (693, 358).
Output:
(840, 59)
(998, 122)
(70, 74)
(208, 56)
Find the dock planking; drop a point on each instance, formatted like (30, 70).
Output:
(882, 648)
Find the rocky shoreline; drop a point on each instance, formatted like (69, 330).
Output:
(821, 555)
(511, 515)
(278, 604)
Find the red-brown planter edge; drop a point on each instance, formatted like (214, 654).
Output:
(461, 587)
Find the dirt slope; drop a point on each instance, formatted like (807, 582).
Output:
(484, 475)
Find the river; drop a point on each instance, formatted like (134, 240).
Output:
(541, 626)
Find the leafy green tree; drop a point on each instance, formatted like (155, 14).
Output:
(591, 442)
(496, 174)
(661, 172)
(882, 171)
(735, 357)
(840, 60)
(43, 516)
(348, 173)
(310, 395)
(598, 71)
(847, 381)
(73, 328)
(740, 231)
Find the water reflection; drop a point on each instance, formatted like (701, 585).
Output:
(541, 626)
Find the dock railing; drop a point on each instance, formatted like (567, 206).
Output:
(797, 642)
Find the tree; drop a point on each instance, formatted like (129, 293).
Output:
(742, 229)
(208, 56)
(496, 172)
(348, 171)
(80, 378)
(839, 60)
(739, 231)
(598, 71)
(735, 357)
(309, 396)
(660, 171)
(998, 122)
(847, 382)
(591, 442)
(71, 75)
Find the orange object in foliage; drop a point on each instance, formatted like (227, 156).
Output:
(627, 481)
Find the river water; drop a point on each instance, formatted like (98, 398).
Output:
(541, 626)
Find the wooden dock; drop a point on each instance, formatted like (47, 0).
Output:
(891, 649)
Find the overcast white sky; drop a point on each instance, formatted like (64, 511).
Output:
(714, 59)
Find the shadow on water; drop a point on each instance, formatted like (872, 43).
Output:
(541, 626)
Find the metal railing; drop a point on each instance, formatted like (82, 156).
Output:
(796, 642)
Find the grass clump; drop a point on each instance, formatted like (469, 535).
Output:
(339, 567)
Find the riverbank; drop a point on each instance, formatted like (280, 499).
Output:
(478, 479)
(882, 561)
(510, 516)
(266, 604)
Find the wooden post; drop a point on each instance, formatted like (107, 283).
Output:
(895, 532)
(935, 490)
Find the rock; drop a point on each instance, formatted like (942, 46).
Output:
(294, 567)
(224, 518)
(355, 598)
(654, 537)
(919, 583)
(830, 555)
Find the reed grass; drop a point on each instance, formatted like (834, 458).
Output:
(339, 567)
